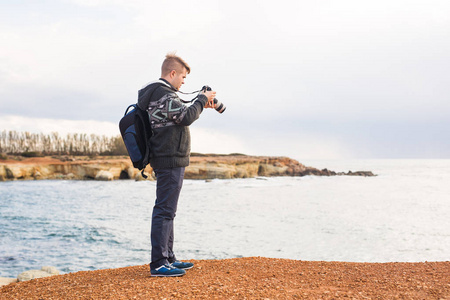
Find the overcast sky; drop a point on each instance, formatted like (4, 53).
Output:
(305, 79)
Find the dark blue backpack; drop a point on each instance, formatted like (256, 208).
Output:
(136, 133)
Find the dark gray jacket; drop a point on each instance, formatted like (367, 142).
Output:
(170, 120)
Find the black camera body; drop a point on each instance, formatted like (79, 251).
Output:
(220, 107)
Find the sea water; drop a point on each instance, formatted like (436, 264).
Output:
(400, 215)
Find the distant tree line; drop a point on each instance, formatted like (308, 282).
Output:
(35, 144)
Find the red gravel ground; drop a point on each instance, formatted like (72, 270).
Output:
(248, 278)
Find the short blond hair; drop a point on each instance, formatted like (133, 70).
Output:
(173, 62)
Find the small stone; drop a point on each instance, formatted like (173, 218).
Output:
(104, 176)
(32, 274)
(45, 271)
(50, 270)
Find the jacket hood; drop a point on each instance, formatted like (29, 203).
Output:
(146, 92)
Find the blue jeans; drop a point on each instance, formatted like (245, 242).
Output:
(168, 187)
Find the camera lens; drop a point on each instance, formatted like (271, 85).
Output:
(219, 106)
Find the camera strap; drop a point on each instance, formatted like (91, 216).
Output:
(166, 83)
(189, 101)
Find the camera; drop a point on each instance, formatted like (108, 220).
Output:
(219, 106)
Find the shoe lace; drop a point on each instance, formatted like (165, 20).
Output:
(167, 266)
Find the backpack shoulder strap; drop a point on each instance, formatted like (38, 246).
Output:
(146, 133)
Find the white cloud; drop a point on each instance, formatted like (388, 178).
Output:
(42, 125)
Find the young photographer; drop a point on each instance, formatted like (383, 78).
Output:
(170, 151)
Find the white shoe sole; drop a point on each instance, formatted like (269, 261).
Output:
(163, 275)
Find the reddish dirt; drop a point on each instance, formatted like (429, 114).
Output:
(248, 278)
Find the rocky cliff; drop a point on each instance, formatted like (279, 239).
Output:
(201, 167)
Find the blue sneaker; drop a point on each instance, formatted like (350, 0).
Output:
(182, 265)
(167, 271)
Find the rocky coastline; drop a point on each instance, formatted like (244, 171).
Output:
(202, 166)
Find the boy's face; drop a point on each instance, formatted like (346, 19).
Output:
(178, 78)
